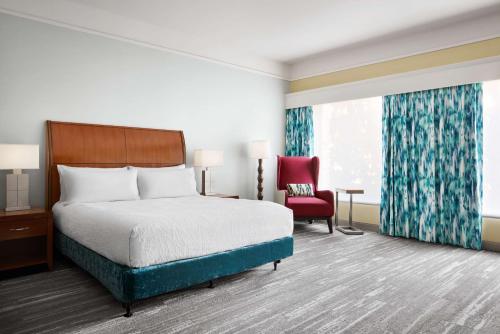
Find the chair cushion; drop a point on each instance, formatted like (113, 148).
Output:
(304, 207)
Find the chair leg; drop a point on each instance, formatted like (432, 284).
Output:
(128, 311)
(330, 225)
(276, 264)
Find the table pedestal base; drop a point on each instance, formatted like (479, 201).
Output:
(350, 230)
(346, 229)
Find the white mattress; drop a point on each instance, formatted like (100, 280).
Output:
(147, 232)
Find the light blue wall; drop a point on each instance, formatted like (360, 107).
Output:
(53, 73)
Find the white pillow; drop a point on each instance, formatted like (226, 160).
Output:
(87, 185)
(160, 168)
(161, 183)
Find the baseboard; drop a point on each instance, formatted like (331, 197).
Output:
(491, 246)
(487, 245)
(366, 226)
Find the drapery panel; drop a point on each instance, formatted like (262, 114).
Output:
(299, 137)
(432, 165)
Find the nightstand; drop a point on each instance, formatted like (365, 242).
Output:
(26, 239)
(223, 196)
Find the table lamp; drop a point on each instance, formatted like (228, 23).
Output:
(17, 158)
(259, 149)
(206, 159)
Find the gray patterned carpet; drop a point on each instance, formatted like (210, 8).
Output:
(333, 284)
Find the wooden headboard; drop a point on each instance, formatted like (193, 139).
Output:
(91, 145)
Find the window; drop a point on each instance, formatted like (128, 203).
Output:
(491, 148)
(348, 140)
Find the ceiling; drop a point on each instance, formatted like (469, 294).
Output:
(262, 35)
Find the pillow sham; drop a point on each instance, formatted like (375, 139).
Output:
(300, 189)
(88, 185)
(160, 168)
(163, 183)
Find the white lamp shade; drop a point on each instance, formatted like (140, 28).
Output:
(208, 158)
(13, 156)
(259, 149)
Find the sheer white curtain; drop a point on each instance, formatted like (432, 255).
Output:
(491, 148)
(348, 140)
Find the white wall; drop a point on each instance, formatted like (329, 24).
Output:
(51, 73)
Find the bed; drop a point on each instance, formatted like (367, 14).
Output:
(142, 248)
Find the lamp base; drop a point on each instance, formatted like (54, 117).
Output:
(18, 208)
(17, 192)
(260, 179)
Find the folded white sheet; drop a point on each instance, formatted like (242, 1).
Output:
(147, 232)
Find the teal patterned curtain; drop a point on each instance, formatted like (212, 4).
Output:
(432, 175)
(299, 139)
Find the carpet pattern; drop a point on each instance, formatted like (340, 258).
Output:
(333, 284)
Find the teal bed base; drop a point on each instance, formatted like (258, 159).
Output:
(128, 284)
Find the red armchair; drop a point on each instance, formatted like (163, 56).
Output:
(304, 170)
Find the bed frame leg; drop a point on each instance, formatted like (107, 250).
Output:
(128, 312)
(276, 264)
(211, 284)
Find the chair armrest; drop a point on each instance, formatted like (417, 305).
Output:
(280, 197)
(325, 195)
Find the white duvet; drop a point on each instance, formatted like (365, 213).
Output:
(147, 232)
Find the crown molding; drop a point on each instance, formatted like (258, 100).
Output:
(257, 66)
(471, 27)
(401, 45)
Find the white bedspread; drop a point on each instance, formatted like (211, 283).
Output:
(147, 232)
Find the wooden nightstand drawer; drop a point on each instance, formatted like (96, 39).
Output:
(25, 239)
(23, 229)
